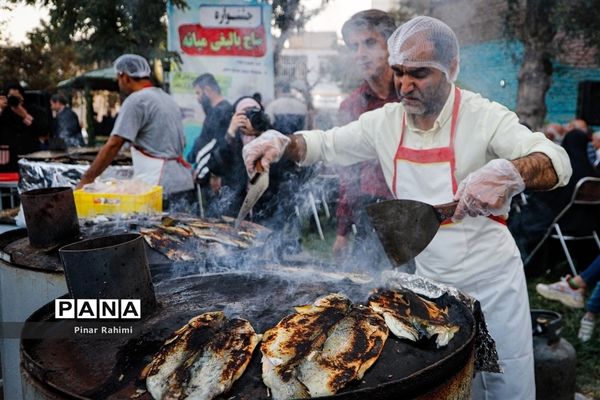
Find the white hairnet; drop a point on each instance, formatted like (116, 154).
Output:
(425, 42)
(132, 65)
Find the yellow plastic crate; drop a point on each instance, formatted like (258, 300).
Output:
(92, 204)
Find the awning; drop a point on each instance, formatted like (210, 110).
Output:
(99, 79)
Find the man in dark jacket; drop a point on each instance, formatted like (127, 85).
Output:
(22, 126)
(218, 114)
(66, 131)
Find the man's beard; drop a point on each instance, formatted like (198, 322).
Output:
(427, 104)
(206, 104)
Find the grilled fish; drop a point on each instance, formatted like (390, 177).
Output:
(293, 339)
(179, 347)
(213, 369)
(169, 245)
(412, 317)
(220, 237)
(352, 346)
(181, 231)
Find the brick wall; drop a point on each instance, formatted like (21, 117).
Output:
(485, 65)
(487, 59)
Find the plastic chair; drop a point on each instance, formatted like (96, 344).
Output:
(10, 181)
(587, 194)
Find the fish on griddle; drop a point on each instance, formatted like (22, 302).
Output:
(351, 348)
(179, 230)
(186, 239)
(168, 244)
(287, 344)
(177, 349)
(211, 235)
(413, 317)
(213, 369)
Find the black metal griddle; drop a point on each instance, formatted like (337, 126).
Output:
(108, 368)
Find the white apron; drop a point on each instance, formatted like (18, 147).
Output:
(477, 256)
(148, 168)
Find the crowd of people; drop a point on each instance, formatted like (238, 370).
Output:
(531, 218)
(26, 126)
(407, 131)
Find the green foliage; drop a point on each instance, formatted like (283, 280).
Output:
(83, 34)
(101, 30)
(290, 15)
(41, 63)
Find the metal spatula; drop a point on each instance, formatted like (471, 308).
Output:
(406, 227)
(258, 184)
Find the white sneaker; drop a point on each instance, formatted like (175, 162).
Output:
(562, 292)
(586, 329)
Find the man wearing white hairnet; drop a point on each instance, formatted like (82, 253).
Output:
(150, 119)
(440, 144)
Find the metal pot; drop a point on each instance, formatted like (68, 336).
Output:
(51, 216)
(109, 267)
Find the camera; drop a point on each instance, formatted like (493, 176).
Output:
(258, 119)
(13, 101)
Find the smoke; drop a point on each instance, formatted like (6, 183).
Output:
(295, 191)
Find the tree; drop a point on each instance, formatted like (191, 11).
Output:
(289, 17)
(101, 30)
(546, 27)
(40, 63)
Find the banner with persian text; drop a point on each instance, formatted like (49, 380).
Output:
(227, 38)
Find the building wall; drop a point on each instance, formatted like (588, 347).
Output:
(384, 5)
(485, 65)
(487, 58)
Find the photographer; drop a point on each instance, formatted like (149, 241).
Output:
(276, 205)
(23, 127)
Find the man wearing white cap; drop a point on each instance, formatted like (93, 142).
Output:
(440, 144)
(150, 119)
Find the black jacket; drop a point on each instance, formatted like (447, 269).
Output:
(20, 138)
(214, 127)
(66, 131)
(274, 206)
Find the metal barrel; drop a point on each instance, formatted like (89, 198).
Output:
(51, 216)
(109, 267)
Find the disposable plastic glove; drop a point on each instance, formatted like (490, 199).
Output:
(488, 190)
(268, 147)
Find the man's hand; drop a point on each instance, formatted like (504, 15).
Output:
(22, 112)
(215, 183)
(84, 181)
(268, 148)
(3, 103)
(103, 159)
(340, 247)
(489, 190)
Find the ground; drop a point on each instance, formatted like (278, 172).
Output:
(588, 354)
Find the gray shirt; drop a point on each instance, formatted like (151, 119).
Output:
(151, 120)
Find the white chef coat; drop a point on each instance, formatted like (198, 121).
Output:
(478, 255)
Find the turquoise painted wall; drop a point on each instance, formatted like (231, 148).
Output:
(485, 65)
